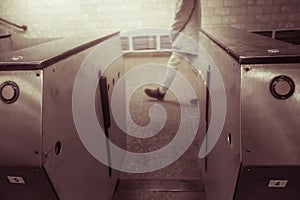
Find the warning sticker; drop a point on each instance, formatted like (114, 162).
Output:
(16, 179)
(278, 183)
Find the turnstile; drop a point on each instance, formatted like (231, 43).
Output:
(258, 154)
(41, 154)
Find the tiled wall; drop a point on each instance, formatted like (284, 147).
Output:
(59, 18)
(52, 18)
(252, 14)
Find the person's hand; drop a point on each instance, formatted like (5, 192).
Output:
(173, 35)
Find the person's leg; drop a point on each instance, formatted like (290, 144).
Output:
(194, 62)
(172, 66)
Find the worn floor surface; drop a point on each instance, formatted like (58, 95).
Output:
(182, 179)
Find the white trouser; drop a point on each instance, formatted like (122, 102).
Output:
(173, 65)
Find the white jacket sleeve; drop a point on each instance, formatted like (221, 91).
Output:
(184, 9)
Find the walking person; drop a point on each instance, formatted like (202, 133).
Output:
(184, 36)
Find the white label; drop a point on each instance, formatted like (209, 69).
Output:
(16, 179)
(278, 183)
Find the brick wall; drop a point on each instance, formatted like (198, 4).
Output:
(55, 18)
(59, 18)
(252, 14)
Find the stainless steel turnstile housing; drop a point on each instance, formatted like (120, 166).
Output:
(41, 155)
(258, 153)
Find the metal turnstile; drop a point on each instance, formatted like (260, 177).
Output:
(258, 154)
(41, 154)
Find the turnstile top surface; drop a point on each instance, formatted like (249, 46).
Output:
(43, 55)
(250, 48)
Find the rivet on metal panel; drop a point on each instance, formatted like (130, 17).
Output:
(247, 68)
(38, 74)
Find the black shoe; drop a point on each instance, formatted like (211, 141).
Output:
(155, 93)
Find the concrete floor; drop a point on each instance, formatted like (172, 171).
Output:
(180, 180)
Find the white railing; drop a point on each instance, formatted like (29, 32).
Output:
(146, 38)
